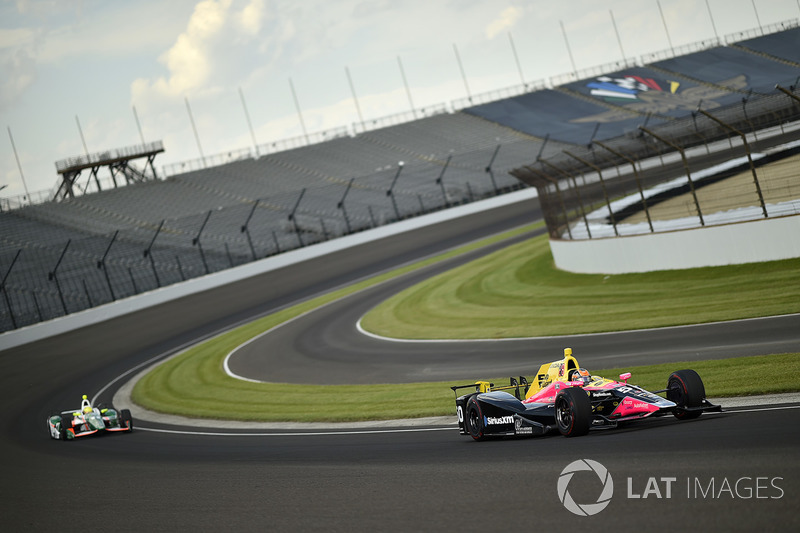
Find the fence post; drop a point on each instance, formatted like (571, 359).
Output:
(685, 166)
(541, 148)
(38, 307)
(697, 132)
(148, 253)
(602, 185)
(180, 267)
(293, 219)
(102, 264)
(246, 229)
(196, 241)
(440, 182)
(5, 291)
(277, 245)
(324, 230)
(228, 253)
(749, 158)
(53, 276)
(340, 205)
(133, 281)
(390, 192)
(558, 194)
(86, 290)
(489, 169)
(636, 177)
(577, 193)
(787, 92)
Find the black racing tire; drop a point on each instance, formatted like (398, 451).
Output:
(473, 419)
(63, 433)
(127, 419)
(573, 412)
(686, 389)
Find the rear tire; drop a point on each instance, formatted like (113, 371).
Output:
(474, 419)
(127, 419)
(573, 412)
(686, 389)
(50, 431)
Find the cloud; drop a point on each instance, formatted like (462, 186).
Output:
(19, 73)
(504, 22)
(188, 59)
(252, 16)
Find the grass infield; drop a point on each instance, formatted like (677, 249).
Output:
(518, 292)
(484, 299)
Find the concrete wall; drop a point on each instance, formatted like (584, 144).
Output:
(745, 242)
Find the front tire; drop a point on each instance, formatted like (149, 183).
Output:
(573, 412)
(474, 419)
(64, 432)
(686, 389)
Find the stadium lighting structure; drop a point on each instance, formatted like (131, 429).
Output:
(569, 50)
(616, 32)
(516, 59)
(19, 166)
(355, 98)
(713, 25)
(194, 129)
(405, 83)
(463, 75)
(666, 30)
(299, 113)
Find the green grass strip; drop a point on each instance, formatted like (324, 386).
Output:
(194, 383)
(518, 292)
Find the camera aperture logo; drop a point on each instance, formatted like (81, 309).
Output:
(664, 488)
(585, 509)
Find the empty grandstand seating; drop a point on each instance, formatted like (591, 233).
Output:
(209, 219)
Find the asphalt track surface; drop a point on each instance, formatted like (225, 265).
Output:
(424, 479)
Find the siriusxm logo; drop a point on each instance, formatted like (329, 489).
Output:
(497, 420)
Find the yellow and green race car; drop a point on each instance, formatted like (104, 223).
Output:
(88, 420)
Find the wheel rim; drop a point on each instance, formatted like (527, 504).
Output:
(474, 420)
(563, 414)
(676, 393)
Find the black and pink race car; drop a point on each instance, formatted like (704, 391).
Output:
(566, 397)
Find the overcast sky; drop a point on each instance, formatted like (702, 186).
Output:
(96, 60)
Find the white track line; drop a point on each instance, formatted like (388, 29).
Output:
(386, 431)
(598, 334)
(298, 434)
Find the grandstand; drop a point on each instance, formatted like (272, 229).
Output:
(59, 257)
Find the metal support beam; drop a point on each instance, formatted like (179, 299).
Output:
(636, 177)
(568, 176)
(749, 157)
(685, 166)
(599, 171)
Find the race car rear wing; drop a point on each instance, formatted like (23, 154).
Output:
(520, 387)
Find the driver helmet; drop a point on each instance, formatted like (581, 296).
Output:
(87, 410)
(581, 375)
